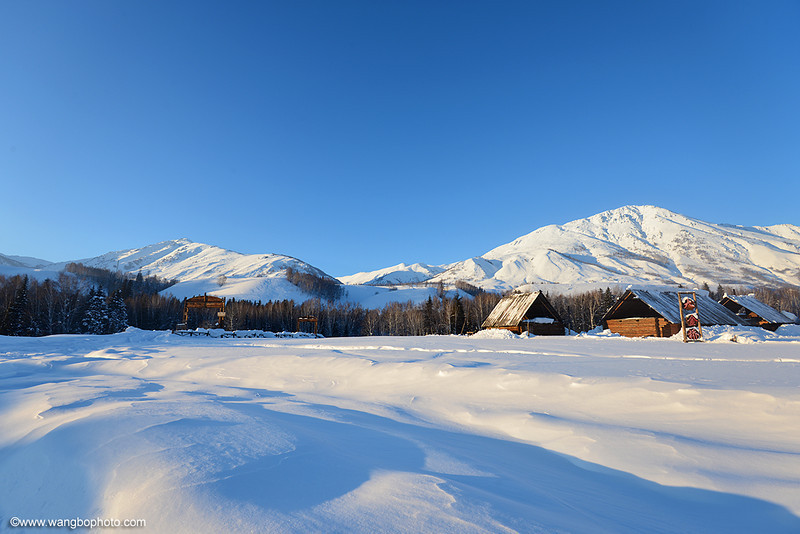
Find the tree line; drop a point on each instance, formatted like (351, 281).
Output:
(437, 315)
(84, 300)
(91, 300)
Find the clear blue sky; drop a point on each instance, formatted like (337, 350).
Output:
(358, 134)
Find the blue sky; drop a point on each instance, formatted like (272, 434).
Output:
(359, 134)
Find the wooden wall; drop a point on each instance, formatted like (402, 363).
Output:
(643, 327)
(544, 329)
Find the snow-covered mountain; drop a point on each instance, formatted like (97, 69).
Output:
(398, 274)
(629, 245)
(22, 261)
(201, 268)
(184, 260)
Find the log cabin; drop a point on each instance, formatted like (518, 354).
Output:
(526, 312)
(753, 312)
(656, 313)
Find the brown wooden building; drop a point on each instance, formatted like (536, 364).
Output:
(656, 313)
(753, 312)
(526, 312)
(203, 302)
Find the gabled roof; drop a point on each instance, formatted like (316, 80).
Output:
(752, 304)
(511, 310)
(665, 303)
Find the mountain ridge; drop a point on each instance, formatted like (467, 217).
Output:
(623, 246)
(183, 260)
(635, 244)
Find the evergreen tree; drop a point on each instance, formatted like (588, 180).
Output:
(117, 313)
(458, 316)
(95, 320)
(720, 293)
(428, 319)
(606, 301)
(17, 320)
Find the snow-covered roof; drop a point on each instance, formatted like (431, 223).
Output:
(511, 310)
(665, 303)
(752, 304)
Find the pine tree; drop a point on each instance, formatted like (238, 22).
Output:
(428, 320)
(117, 313)
(606, 301)
(458, 315)
(17, 321)
(95, 320)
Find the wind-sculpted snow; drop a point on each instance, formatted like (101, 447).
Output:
(488, 433)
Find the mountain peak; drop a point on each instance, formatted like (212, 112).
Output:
(183, 259)
(634, 244)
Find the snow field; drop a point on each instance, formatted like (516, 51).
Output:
(489, 433)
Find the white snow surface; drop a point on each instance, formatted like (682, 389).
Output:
(39, 275)
(489, 433)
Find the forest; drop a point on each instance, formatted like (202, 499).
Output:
(97, 301)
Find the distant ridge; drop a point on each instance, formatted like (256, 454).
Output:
(184, 260)
(630, 245)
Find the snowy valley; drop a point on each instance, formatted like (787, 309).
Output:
(490, 432)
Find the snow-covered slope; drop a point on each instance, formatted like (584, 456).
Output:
(184, 260)
(200, 268)
(398, 274)
(33, 268)
(23, 261)
(636, 244)
(629, 245)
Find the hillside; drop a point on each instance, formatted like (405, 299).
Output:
(630, 245)
(183, 260)
(395, 275)
(200, 268)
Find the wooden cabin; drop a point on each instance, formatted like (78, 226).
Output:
(203, 302)
(526, 312)
(753, 312)
(656, 313)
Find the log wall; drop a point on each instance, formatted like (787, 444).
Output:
(643, 327)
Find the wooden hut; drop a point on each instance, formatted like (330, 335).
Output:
(753, 312)
(203, 302)
(649, 312)
(526, 312)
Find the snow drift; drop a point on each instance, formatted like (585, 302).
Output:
(434, 434)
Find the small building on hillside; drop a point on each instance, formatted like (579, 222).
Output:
(526, 312)
(649, 312)
(753, 312)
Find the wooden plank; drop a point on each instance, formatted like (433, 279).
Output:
(635, 327)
